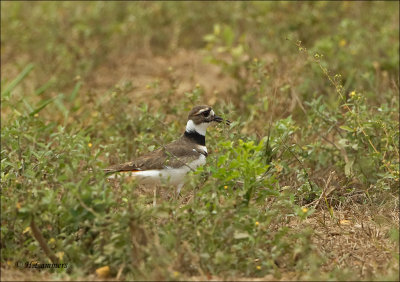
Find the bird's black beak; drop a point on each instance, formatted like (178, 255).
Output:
(220, 119)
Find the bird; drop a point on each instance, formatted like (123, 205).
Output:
(170, 163)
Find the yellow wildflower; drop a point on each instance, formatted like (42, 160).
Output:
(345, 222)
(90, 145)
(60, 255)
(257, 223)
(103, 272)
(26, 230)
(258, 267)
(304, 210)
(342, 43)
(36, 115)
(225, 187)
(175, 273)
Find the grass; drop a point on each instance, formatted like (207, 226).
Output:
(302, 186)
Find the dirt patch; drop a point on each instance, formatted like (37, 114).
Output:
(10, 274)
(353, 239)
(182, 71)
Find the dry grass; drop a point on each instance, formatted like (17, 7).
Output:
(354, 238)
(354, 234)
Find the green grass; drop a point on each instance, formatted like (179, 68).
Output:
(313, 96)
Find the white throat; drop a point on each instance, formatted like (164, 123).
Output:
(199, 128)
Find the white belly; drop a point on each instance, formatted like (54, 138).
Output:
(169, 175)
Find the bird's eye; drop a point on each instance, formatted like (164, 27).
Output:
(206, 113)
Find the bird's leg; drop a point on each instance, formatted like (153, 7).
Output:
(155, 196)
(178, 190)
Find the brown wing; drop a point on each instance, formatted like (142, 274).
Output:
(174, 155)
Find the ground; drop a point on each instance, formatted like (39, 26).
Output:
(122, 78)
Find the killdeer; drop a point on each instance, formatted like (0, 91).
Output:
(173, 161)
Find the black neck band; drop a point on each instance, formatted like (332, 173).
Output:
(196, 137)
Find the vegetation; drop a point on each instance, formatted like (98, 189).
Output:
(303, 185)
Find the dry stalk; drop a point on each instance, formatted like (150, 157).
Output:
(325, 192)
(42, 242)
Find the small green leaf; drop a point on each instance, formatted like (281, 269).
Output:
(348, 168)
(44, 87)
(237, 51)
(228, 35)
(41, 106)
(75, 91)
(17, 80)
(209, 38)
(345, 127)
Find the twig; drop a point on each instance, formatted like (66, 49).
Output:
(297, 99)
(120, 271)
(42, 242)
(87, 207)
(342, 150)
(324, 193)
(267, 146)
(301, 164)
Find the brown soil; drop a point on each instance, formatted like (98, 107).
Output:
(186, 67)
